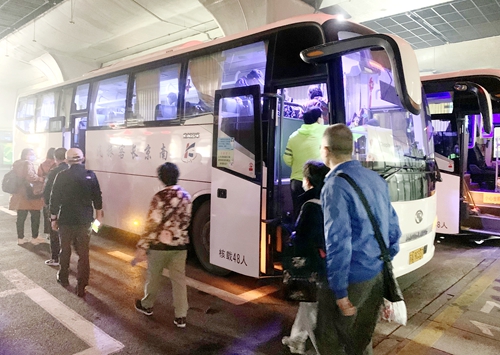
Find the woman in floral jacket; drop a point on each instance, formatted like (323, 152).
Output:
(164, 244)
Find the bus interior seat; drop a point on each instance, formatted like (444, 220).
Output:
(482, 176)
(165, 112)
(241, 107)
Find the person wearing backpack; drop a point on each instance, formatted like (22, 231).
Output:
(19, 201)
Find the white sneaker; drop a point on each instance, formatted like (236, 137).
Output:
(21, 241)
(295, 346)
(38, 240)
(52, 262)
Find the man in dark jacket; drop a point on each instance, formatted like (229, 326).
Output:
(74, 196)
(55, 245)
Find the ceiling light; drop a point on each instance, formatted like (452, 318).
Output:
(422, 22)
(335, 10)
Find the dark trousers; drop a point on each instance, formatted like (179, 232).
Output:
(55, 244)
(46, 220)
(297, 190)
(35, 222)
(337, 334)
(79, 236)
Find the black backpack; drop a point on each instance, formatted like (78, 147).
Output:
(11, 182)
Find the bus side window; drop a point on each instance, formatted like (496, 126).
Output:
(25, 114)
(234, 67)
(108, 98)
(155, 96)
(202, 81)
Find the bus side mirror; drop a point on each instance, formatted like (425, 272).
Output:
(483, 100)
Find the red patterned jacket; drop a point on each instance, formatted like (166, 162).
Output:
(168, 220)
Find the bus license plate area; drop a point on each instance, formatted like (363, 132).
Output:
(417, 255)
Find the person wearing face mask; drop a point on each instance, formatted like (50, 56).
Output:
(309, 242)
(19, 201)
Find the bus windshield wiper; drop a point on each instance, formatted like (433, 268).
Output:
(415, 157)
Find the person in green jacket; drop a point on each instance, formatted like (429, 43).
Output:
(303, 145)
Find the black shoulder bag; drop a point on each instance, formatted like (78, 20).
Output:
(392, 292)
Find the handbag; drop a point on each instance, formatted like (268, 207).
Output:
(300, 273)
(30, 194)
(392, 291)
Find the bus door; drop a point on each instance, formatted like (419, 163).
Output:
(237, 203)
(294, 101)
(56, 125)
(78, 129)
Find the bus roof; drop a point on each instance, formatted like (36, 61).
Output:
(487, 78)
(190, 46)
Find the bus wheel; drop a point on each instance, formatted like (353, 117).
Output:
(201, 239)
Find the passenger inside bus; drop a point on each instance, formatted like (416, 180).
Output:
(255, 77)
(167, 110)
(480, 173)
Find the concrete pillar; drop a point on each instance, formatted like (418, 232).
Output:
(234, 16)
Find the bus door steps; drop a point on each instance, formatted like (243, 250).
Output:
(489, 211)
(484, 224)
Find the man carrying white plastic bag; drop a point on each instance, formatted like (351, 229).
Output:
(394, 312)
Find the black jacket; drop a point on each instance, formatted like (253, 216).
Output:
(309, 236)
(74, 196)
(50, 181)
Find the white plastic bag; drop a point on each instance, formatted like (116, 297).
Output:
(394, 312)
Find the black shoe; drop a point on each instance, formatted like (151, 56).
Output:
(80, 291)
(64, 283)
(143, 310)
(180, 322)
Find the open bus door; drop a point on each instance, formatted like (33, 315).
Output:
(457, 204)
(236, 207)
(78, 129)
(479, 212)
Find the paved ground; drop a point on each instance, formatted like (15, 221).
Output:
(453, 306)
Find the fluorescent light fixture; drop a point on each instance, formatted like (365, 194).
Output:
(422, 22)
(336, 10)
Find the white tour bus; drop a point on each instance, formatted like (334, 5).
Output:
(465, 107)
(223, 111)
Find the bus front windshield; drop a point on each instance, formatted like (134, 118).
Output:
(387, 137)
(383, 130)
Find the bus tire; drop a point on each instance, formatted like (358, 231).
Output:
(201, 239)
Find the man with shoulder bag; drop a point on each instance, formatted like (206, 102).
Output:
(348, 309)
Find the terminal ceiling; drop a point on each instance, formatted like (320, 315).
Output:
(43, 42)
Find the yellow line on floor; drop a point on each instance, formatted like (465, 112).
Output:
(428, 336)
(245, 297)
